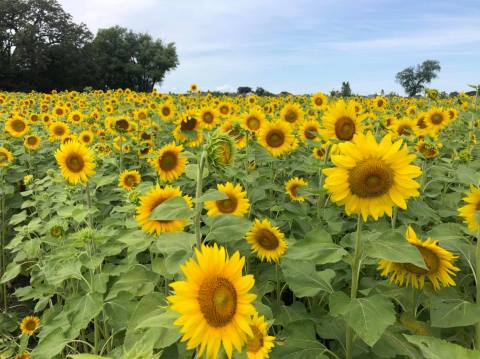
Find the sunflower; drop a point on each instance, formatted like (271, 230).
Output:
(24, 355)
(236, 204)
(422, 126)
(57, 130)
(437, 118)
(214, 302)
(293, 185)
(29, 325)
(292, 113)
(170, 163)
(234, 130)
(452, 114)
(86, 137)
(193, 88)
(320, 151)
(5, 157)
(253, 121)
(16, 126)
(341, 121)
(428, 150)
(129, 179)
(188, 130)
(276, 137)
(439, 263)
(225, 108)
(150, 201)
(166, 111)
(32, 142)
(75, 117)
(76, 162)
(404, 127)
(209, 117)
(310, 130)
(267, 241)
(379, 103)
(260, 345)
(58, 111)
(370, 178)
(470, 210)
(319, 101)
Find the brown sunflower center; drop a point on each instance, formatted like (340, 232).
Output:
(59, 111)
(291, 116)
(166, 111)
(255, 343)
(224, 110)
(318, 101)
(217, 298)
(59, 130)
(253, 123)
(266, 239)
(75, 162)
(168, 161)
(404, 130)
(380, 103)
(421, 123)
(3, 157)
(122, 124)
(32, 140)
(320, 152)
(311, 133)
(130, 180)
(431, 260)
(76, 117)
(344, 128)
(208, 117)
(30, 325)
(370, 178)
(275, 138)
(228, 205)
(189, 124)
(437, 119)
(18, 125)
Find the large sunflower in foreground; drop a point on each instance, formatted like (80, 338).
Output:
(260, 345)
(439, 263)
(267, 241)
(76, 161)
(341, 122)
(276, 137)
(170, 163)
(470, 210)
(5, 157)
(214, 302)
(369, 178)
(236, 204)
(152, 199)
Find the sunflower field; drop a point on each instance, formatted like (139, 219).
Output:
(150, 225)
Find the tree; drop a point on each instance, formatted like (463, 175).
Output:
(243, 90)
(128, 59)
(414, 79)
(346, 90)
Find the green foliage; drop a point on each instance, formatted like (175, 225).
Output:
(414, 79)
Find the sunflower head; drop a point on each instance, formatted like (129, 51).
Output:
(341, 121)
(260, 344)
(276, 137)
(5, 157)
(292, 113)
(214, 302)
(170, 162)
(76, 162)
(129, 179)
(220, 150)
(266, 240)
(470, 211)
(292, 187)
(439, 265)
(16, 126)
(29, 325)
(236, 203)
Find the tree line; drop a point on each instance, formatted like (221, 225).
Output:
(42, 49)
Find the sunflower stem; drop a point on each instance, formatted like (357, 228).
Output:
(477, 299)
(321, 179)
(3, 260)
(198, 194)
(356, 264)
(277, 279)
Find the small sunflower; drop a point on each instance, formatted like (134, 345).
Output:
(437, 118)
(170, 163)
(319, 101)
(75, 117)
(404, 127)
(341, 121)
(260, 345)
(320, 151)
(209, 117)
(310, 130)
(428, 150)
(58, 130)
(253, 121)
(236, 204)
(470, 210)
(370, 178)
(214, 302)
(16, 126)
(439, 263)
(224, 108)
(5, 157)
(129, 179)
(293, 185)
(32, 142)
(267, 241)
(29, 325)
(276, 137)
(150, 201)
(194, 88)
(24, 355)
(76, 162)
(292, 113)
(188, 130)
(86, 137)
(234, 130)
(166, 111)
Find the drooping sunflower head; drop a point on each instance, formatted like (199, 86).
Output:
(236, 203)
(220, 150)
(170, 163)
(32, 142)
(267, 241)
(369, 178)
(17, 126)
(439, 265)
(292, 113)
(76, 162)
(470, 211)
(152, 199)
(341, 122)
(260, 344)
(276, 137)
(29, 325)
(214, 302)
(292, 187)
(129, 179)
(5, 157)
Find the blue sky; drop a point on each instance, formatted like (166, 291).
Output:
(301, 46)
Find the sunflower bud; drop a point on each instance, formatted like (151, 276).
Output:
(220, 150)
(27, 179)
